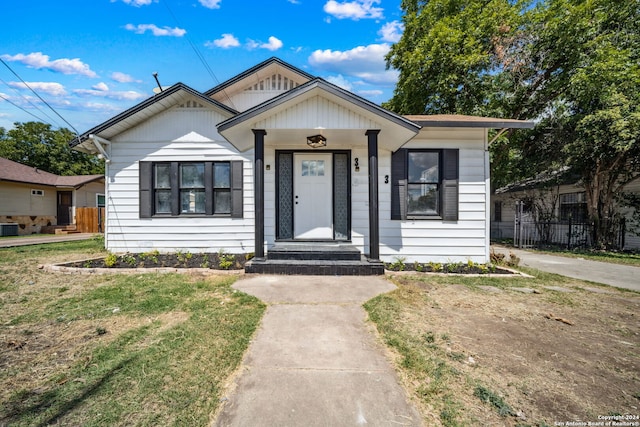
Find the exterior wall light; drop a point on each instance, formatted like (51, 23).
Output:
(316, 141)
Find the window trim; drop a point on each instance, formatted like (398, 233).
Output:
(439, 183)
(448, 185)
(147, 189)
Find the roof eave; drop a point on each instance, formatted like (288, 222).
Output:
(145, 104)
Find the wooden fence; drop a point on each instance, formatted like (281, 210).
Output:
(90, 220)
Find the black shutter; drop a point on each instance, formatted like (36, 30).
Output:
(450, 168)
(399, 184)
(145, 172)
(237, 177)
(175, 188)
(208, 188)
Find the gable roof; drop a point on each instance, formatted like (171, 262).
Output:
(237, 129)
(17, 172)
(142, 111)
(269, 63)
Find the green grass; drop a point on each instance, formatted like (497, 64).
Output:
(624, 258)
(158, 349)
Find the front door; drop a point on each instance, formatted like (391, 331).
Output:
(65, 203)
(312, 196)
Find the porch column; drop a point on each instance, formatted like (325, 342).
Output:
(258, 135)
(374, 220)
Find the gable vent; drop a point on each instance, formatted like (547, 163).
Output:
(275, 82)
(191, 104)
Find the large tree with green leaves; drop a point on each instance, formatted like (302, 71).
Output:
(571, 65)
(36, 144)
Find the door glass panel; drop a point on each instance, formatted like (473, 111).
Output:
(341, 196)
(285, 195)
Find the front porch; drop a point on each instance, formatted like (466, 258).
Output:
(315, 258)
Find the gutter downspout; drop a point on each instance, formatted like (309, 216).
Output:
(98, 141)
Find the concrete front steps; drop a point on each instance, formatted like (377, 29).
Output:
(315, 258)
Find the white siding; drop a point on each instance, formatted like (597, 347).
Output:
(179, 134)
(437, 240)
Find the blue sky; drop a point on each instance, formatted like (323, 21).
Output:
(91, 59)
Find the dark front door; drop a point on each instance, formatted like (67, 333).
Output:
(65, 203)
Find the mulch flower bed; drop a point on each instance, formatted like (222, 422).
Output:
(216, 261)
(452, 268)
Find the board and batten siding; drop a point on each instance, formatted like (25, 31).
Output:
(437, 240)
(178, 134)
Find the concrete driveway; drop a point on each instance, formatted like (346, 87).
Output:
(620, 276)
(315, 361)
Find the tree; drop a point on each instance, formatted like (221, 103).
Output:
(572, 65)
(36, 144)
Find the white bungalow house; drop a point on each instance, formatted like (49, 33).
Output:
(275, 157)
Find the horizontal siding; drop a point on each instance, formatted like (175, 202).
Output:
(436, 240)
(176, 135)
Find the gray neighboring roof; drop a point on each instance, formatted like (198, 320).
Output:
(460, 120)
(135, 115)
(17, 172)
(253, 70)
(317, 82)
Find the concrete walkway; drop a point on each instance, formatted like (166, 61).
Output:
(620, 276)
(314, 360)
(43, 238)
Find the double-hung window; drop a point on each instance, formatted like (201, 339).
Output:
(424, 184)
(191, 189)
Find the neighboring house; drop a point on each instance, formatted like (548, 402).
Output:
(277, 155)
(33, 198)
(556, 197)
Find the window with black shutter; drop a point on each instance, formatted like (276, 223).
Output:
(424, 184)
(191, 189)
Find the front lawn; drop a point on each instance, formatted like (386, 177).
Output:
(521, 352)
(144, 349)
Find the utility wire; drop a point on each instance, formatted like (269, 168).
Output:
(198, 54)
(51, 120)
(17, 106)
(39, 97)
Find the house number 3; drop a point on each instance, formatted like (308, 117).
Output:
(386, 179)
(357, 164)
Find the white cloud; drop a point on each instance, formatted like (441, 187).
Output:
(137, 3)
(102, 86)
(391, 31)
(370, 93)
(51, 88)
(157, 31)
(273, 44)
(128, 95)
(357, 9)
(293, 1)
(210, 4)
(38, 61)
(340, 81)
(364, 62)
(225, 42)
(123, 78)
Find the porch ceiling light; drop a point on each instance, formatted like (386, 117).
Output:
(316, 141)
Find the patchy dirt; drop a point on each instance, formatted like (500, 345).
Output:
(555, 356)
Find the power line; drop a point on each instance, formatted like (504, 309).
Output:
(39, 97)
(17, 106)
(31, 103)
(198, 53)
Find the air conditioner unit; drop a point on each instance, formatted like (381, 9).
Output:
(8, 229)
